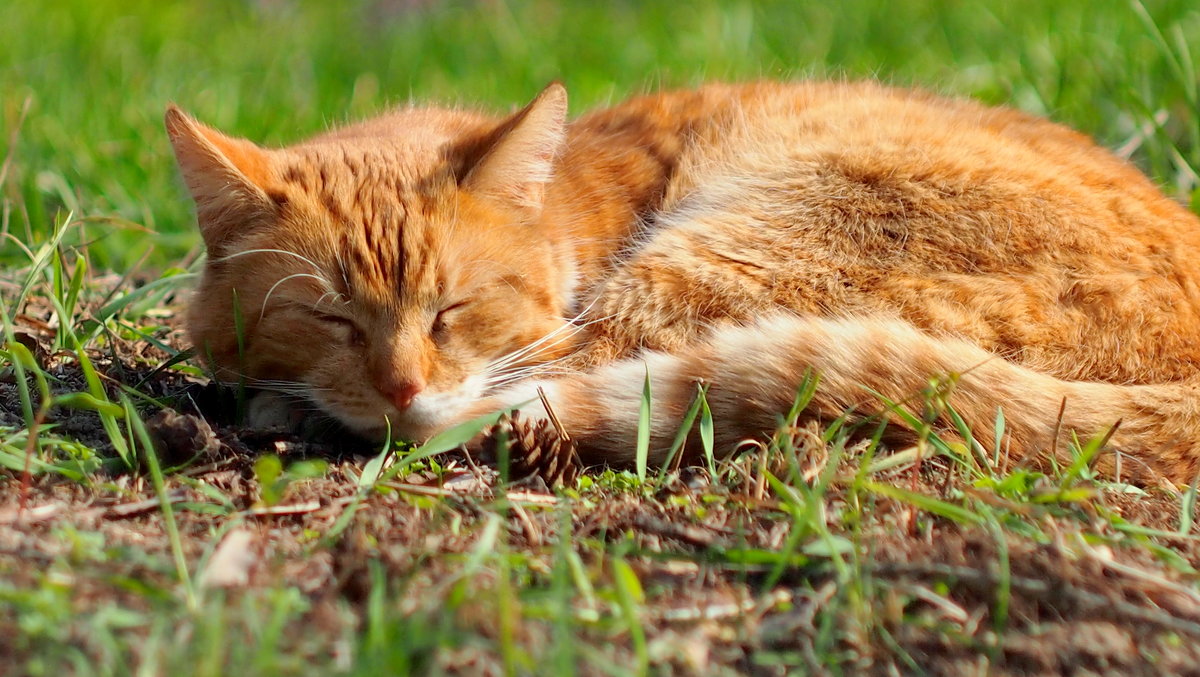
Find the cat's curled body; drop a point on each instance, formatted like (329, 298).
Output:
(432, 264)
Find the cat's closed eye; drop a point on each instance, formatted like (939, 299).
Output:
(443, 316)
(355, 333)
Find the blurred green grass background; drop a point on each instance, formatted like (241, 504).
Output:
(83, 83)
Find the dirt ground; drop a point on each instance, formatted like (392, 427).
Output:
(917, 593)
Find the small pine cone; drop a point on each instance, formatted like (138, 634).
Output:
(535, 449)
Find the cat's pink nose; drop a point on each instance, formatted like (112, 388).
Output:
(401, 395)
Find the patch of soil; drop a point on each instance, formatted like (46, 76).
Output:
(1071, 596)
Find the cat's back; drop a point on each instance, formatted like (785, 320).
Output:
(986, 222)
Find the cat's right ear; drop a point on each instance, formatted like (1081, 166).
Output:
(514, 164)
(227, 177)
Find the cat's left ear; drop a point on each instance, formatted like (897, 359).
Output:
(519, 158)
(228, 178)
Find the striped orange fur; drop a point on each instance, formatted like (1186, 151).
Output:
(431, 264)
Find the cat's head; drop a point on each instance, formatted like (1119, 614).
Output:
(392, 268)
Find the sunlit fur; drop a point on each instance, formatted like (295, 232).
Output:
(742, 235)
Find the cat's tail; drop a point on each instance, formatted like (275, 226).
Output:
(753, 374)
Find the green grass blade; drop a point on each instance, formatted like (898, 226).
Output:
(800, 528)
(706, 431)
(374, 467)
(179, 357)
(58, 292)
(685, 427)
(138, 430)
(563, 653)
(1086, 454)
(76, 286)
(13, 457)
(149, 294)
(38, 263)
(19, 372)
(629, 599)
(804, 394)
(1187, 507)
(107, 420)
(927, 503)
(86, 402)
(998, 436)
(643, 431)
(22, 356)
(446, 440)
(1000, 605)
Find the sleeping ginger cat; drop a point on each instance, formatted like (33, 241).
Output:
(431, 265)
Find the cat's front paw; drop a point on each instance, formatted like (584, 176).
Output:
(268, 410)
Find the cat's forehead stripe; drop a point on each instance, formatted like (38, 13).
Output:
(375, 240)
(417, 266)
(334, 207)
(295, 175)
(366, 273)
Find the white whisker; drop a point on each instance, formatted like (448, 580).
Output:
(496, 384)
(270, 291)
(341, 264)
(285, 252)
(519, 369)
(336, 297)
(569, 325)
(294, 388)
(513, 375)
(537, 347)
